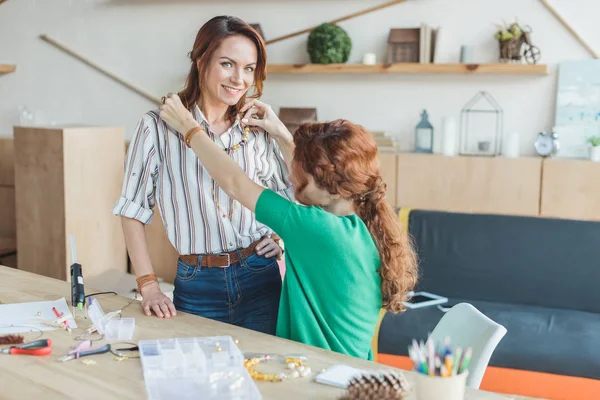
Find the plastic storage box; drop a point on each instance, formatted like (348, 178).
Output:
(112, 327)
(197, 367)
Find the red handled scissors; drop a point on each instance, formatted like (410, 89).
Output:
(36, 348)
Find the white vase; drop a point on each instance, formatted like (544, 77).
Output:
(448, 136)
(511, 146)
(595, 153)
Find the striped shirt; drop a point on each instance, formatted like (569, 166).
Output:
(161, 169)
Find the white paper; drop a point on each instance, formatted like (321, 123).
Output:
(338, 375)
(24, 316)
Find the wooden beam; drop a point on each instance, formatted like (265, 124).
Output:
(335, 21)
(409, 68)
(111, 75)
(7, 68)
(570, 29)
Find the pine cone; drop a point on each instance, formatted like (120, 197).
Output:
(377, 386)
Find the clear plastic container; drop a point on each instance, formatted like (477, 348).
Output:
(199, 367)
(113, 328)
(119, 329)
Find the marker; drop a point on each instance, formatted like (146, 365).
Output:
(457, 360)
(448, 365)
(466, 360)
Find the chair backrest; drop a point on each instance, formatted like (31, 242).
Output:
(466, 326)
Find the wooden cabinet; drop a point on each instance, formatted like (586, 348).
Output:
(389, 170)
(494, 185)
(67, 180)
(8, 229)
(570, 189)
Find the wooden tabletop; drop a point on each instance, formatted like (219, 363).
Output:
(45, 378)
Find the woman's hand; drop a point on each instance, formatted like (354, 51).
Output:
(155, 300)
(269, 248)
(265, 119)
(174, 113)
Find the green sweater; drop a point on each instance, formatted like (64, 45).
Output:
(331, 293)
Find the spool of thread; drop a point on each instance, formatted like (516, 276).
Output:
(369, 59)
(449, 136)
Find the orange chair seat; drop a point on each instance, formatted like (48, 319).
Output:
(521, 382)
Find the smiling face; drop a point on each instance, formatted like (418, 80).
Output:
(231, 71)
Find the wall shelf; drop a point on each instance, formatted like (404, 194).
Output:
(410, 68)
(7, 68)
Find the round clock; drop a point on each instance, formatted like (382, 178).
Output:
(546, 144)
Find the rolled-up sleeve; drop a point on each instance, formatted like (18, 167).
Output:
(279, 181)
(141, 168)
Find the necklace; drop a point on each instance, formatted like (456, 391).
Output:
(229, 151)
(236, 146)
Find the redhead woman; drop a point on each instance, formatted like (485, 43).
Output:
(346, 255)
(227, 269)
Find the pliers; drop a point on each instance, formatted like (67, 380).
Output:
(36, 348)
(84, 349)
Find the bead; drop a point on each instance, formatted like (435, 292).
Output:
(297, 365)
(236, 341)
(39, 313)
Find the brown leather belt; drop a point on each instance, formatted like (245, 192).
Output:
(223, 260)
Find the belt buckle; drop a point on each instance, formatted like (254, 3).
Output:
(228, 259)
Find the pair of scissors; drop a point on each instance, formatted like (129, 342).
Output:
(40, 347)
(84, 349)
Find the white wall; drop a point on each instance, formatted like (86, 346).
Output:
(146, 42)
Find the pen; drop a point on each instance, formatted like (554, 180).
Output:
(58, 315)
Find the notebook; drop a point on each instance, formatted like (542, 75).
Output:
(338, 375)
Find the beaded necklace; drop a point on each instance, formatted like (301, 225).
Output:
(229, 151)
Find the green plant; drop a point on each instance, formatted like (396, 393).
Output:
(513, 31)
(594, 140)
(329, 44)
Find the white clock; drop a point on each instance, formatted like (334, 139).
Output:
(547, 144)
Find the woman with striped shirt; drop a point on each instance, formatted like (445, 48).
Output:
(227, 269)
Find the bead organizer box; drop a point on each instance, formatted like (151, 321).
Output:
(186, 368)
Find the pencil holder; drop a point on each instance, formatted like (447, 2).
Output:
(438, 387)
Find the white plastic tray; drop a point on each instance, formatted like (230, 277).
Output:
(197, 367)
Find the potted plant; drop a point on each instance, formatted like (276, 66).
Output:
(329, 44)
(594, 141)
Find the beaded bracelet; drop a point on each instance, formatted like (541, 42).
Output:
(297, 366)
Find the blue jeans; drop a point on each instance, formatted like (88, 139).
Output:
(245, 294)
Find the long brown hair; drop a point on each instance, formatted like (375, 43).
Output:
(342, 159)
(208, 40)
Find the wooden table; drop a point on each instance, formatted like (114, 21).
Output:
(44, 378)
